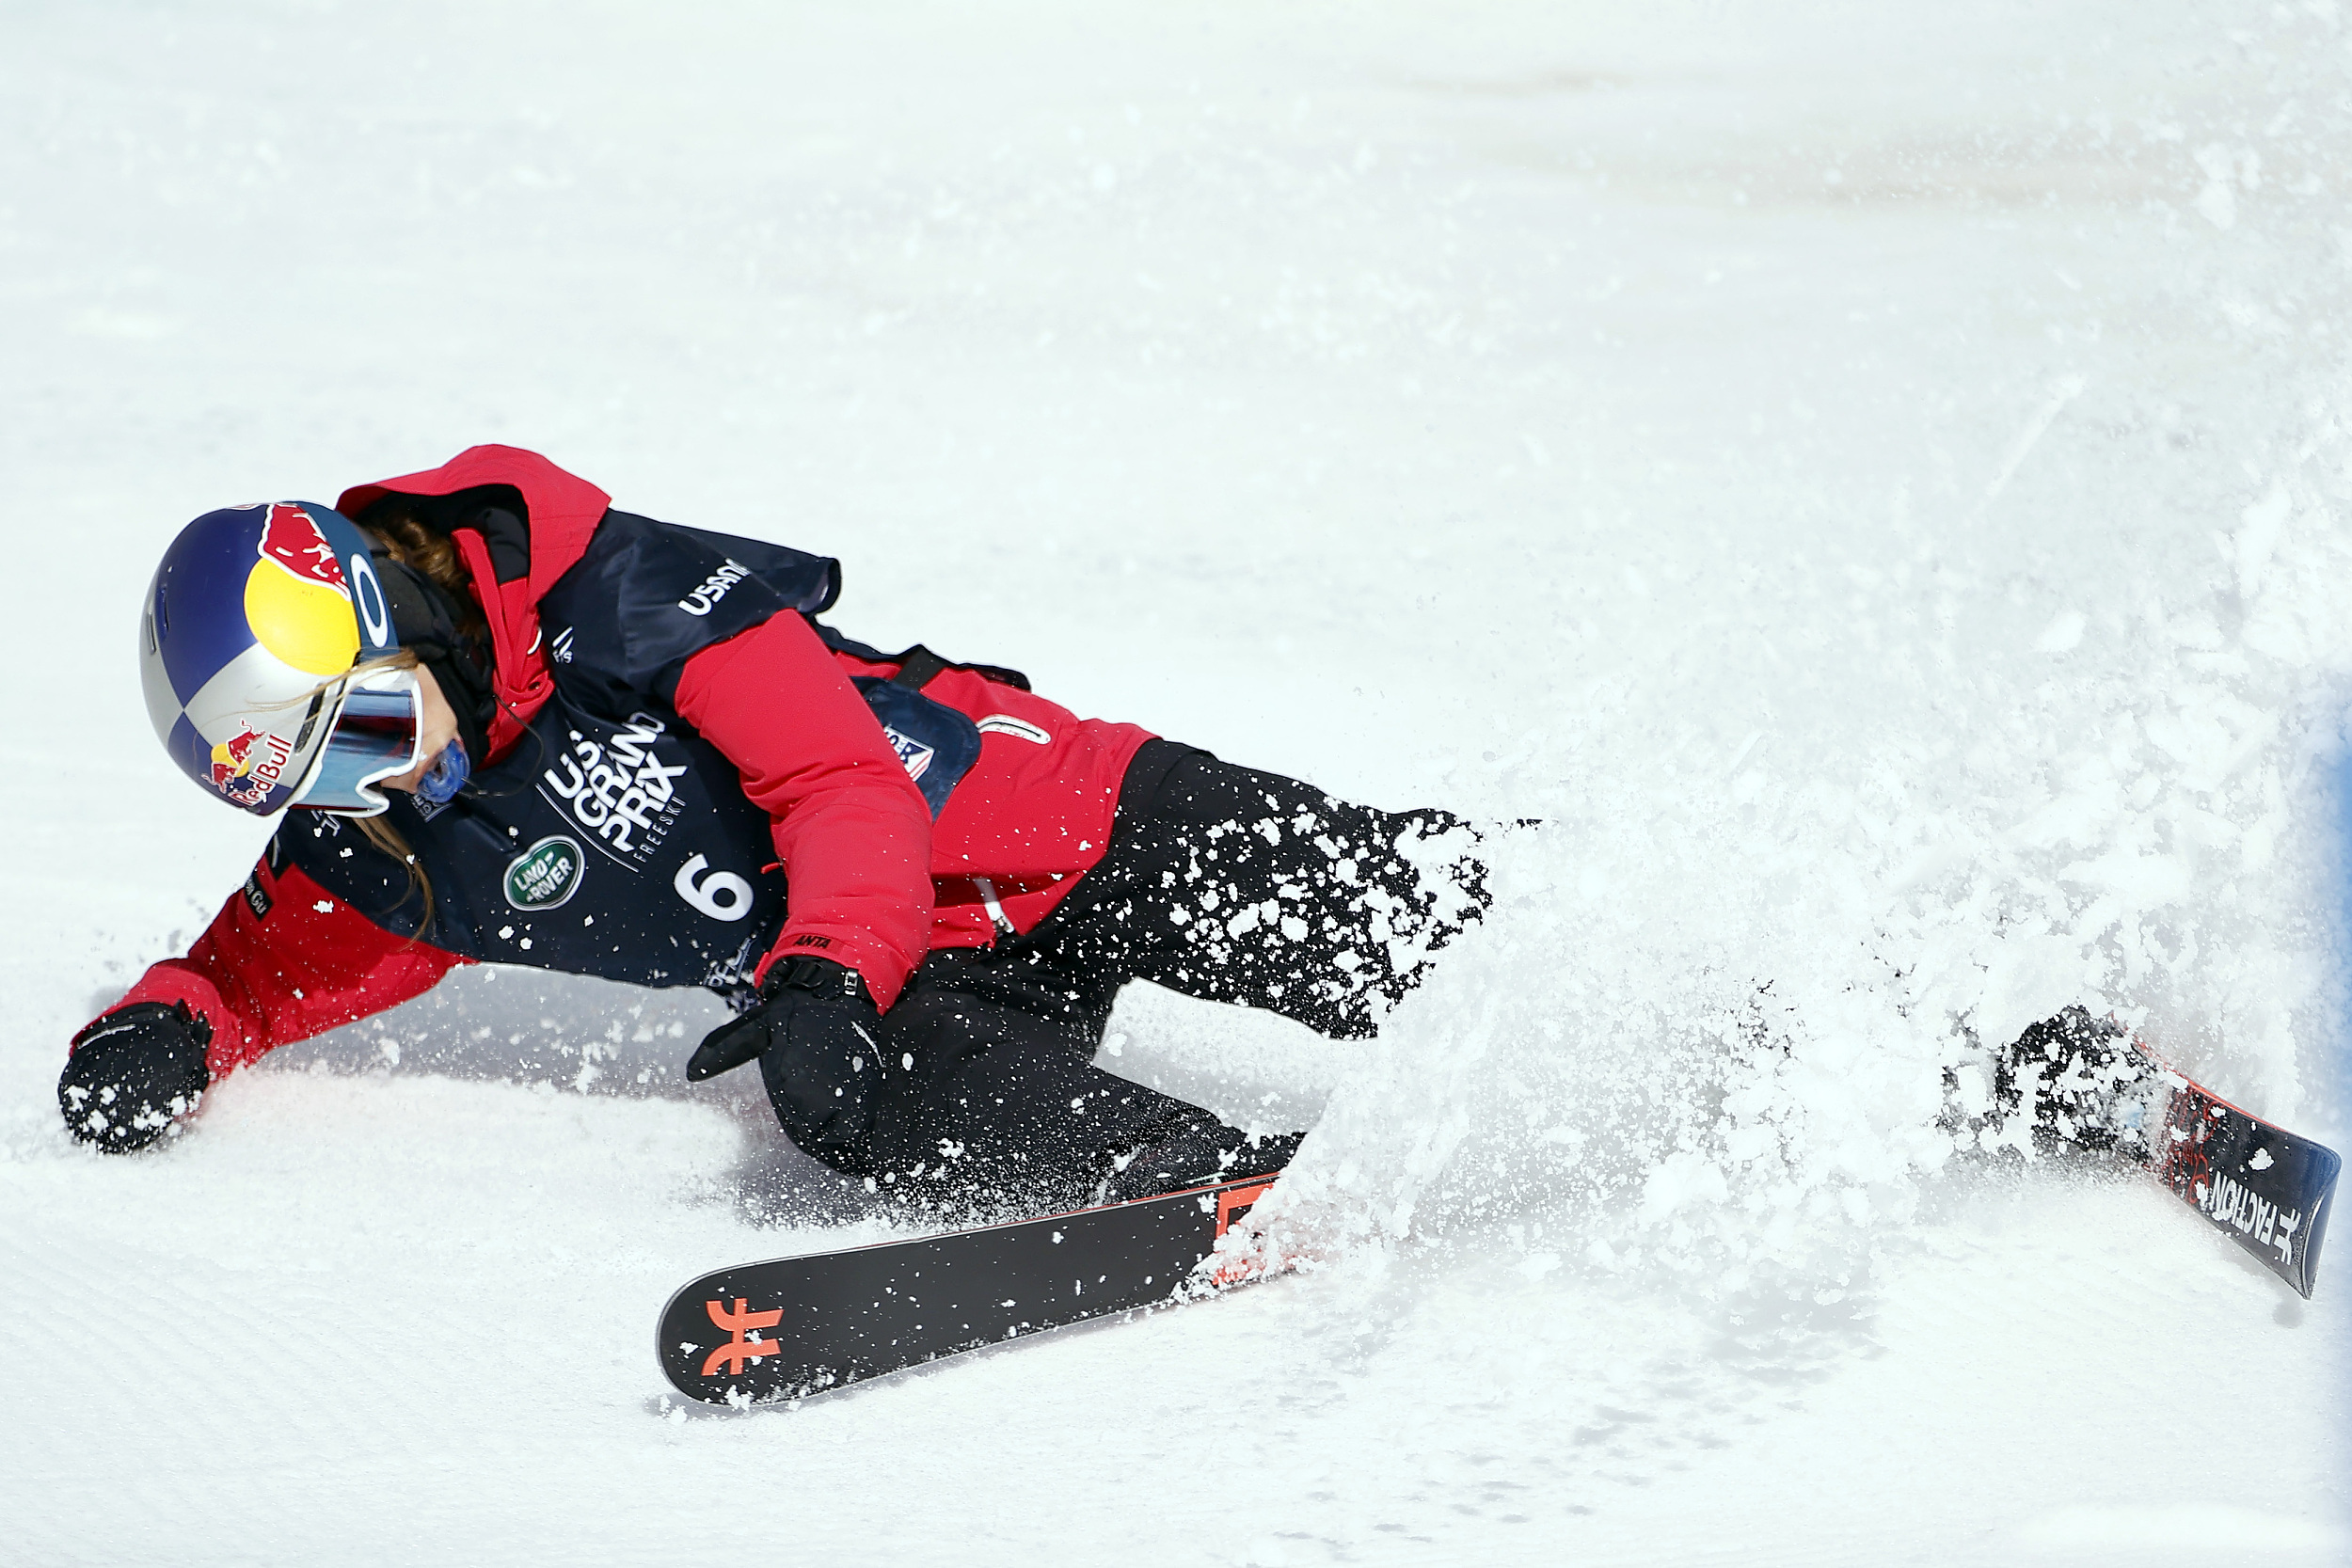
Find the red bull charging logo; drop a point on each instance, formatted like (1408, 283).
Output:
(231, 758)
(292, 539)
(245, 776)
(298, 597)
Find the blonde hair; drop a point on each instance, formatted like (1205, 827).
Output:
(426, 551)
(378, 830)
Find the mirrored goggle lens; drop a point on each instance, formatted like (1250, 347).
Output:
(376, 735)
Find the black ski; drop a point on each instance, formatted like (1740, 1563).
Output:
(794, 1326)
(2265, 1188)
(2084, 1081)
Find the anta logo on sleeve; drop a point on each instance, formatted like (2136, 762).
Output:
(702, 600)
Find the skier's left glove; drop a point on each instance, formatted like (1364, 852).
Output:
(816, 1033)
(132, 1071)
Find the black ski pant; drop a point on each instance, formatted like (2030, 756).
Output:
(1221, 883)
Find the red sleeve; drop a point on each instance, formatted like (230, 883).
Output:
(851, 829)
(283, 960)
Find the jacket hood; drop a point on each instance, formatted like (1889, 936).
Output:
(559, 512)
(560, 508)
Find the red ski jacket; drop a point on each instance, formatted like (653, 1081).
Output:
(874, 882)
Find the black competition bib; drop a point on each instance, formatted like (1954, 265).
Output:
(626, 851)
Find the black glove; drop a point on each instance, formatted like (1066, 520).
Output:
(2094, 1078)
(1200, 1151)
(132, 1073)
(816, 1035)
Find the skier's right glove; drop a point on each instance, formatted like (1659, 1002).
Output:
(132, 1071)
(2084, 1081)
(1201, 1151)
(816, 1034)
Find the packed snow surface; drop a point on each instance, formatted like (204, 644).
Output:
(1876, 481)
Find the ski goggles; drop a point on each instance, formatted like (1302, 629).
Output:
(376, 732)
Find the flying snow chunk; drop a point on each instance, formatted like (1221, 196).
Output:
(2062, 633)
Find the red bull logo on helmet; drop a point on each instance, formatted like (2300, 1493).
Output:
(231, 758)
(221, 669)
(298, 597)
(292, 538)
(250, 764)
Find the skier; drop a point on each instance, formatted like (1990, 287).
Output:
(516, 726)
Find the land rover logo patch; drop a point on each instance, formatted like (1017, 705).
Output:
(545, 874)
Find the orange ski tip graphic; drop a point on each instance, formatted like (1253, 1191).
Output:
(1243, 1256)
(1234, 1202)
(742, 1324)
(880, 1308)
